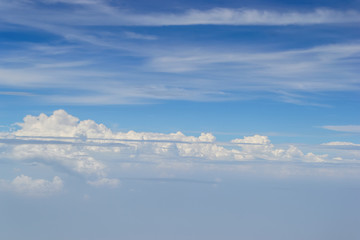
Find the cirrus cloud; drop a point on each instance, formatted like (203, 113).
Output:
(344, 128)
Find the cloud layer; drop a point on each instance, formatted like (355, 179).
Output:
(94, 13)
(69, 60)
(97, 137)
(94, 152)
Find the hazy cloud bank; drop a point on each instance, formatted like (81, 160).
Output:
(94, 151)
(32, 187)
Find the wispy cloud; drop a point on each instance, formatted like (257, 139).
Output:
(344, 128)
(100, 13)
(62, 64)
(224, 16)
(160, 71)
(16, 93)
(354, 147)
(341, 144)
(134, 35)
(288, 74)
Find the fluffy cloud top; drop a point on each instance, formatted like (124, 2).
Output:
(97, 137)
(61, 124)
(260, 147)
(89, 149)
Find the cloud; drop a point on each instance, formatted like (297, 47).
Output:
(95, 13)
(196, 70)
(101, 156)
(61, 124)
(263, 149)
(62, 64)
(226, 16)
(105, 182)
(293, 76)
(16, 93)
(69, 157)
(70, 1)
(344, 128)
(350, 147)
(344, 151)
(32, 187)
(340, 144)
(134, 35)
(83, 141)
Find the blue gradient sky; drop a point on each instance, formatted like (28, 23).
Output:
(94, 93)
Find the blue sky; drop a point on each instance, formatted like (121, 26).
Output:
(127, 116)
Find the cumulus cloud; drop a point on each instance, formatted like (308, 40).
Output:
(92, 150)
(82, 140)
(32, 187)
(68, 156)
(100, 156)
(262, 148)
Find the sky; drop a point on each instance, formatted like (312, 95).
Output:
(179, 119)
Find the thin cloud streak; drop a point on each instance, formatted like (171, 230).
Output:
(223, 16)
(163, 72)
(20, 140)
(101, 14)
(17, 93)
(293, 73)
(344, 128)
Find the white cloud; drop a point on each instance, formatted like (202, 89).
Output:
(64, 142)
(260, 147)
(100, 13)
(86, 139)
(227, 16)
(32, 187)
(61, 124)
(344, 151)
(197, 72)
(134, 35)
(344, 128)
(341, 144)
(68, 156)
(105, 182)
(62, 64)
(309, 70)
(287, 74)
